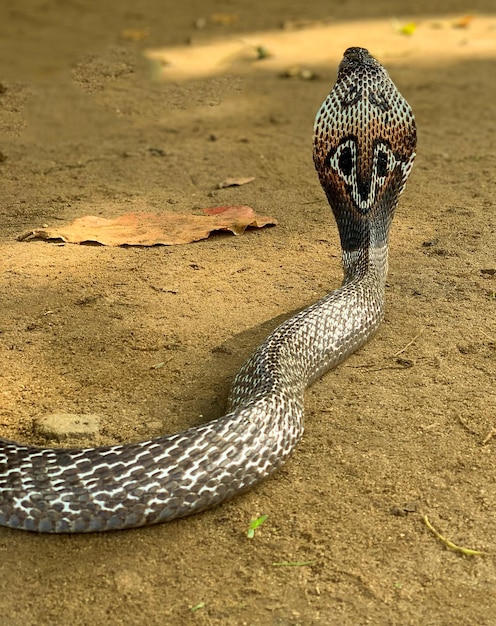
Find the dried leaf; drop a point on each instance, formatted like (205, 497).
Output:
(235, 182)
(134, 34)
(150, 229)
(463, 22)
(224, 19)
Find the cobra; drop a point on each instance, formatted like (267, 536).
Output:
(364, 146)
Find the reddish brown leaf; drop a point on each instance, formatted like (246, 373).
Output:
(463, 22)
(149, 229)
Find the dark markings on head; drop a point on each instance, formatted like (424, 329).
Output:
(364, 185)
(346, 161)
(379, 100)
(362, 189)
(382, 164)
(351, 97)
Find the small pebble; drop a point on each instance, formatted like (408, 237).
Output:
(62, 426)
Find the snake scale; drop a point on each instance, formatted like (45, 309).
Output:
(364, 146)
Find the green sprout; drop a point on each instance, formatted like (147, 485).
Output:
(254, 524)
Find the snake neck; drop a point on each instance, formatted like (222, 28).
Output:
(365, 249)
(369, 264)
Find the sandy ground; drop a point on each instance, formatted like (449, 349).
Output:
(402, 429)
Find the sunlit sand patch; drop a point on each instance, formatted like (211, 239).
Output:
(426, 40)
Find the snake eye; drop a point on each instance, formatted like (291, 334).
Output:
(382, 164)
(345, 161)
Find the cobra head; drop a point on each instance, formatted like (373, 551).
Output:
(364, 146)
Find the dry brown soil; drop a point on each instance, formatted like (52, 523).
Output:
(402, 429)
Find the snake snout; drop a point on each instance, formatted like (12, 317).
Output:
(355, 58)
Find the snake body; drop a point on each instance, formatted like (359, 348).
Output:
(364, 146)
